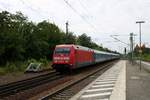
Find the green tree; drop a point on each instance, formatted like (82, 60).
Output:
(10, 38)
(69, 38)
(84, 40)
(53, 35)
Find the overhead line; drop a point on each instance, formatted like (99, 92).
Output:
(83, 6)
(28, 6)
(119, 40)
(79, 14)
(35, 10)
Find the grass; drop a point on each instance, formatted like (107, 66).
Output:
(19, 67)
(13, 67)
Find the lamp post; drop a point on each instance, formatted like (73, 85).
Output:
(140, 51)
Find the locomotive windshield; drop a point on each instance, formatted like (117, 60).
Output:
(62, 50)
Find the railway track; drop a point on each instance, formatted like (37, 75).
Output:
(15, 87)
(68, 91)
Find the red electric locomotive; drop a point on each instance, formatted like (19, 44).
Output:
(71, 56)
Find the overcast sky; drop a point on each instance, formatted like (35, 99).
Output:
(97, 18)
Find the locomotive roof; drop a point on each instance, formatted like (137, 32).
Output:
(75, 46)
(65, 45)
(85, 48)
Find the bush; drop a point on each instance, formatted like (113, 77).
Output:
(10, 67)
(31, 61)
(146, 57)
(44, 61)
(2, 71)
(20, 66)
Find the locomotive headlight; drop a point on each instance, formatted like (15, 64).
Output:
(66, 59)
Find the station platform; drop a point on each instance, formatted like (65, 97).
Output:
(138, 81)
(109, 86)
(123, 81)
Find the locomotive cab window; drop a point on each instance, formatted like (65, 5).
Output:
(62, 50)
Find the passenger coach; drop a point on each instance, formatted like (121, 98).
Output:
(71, 56)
